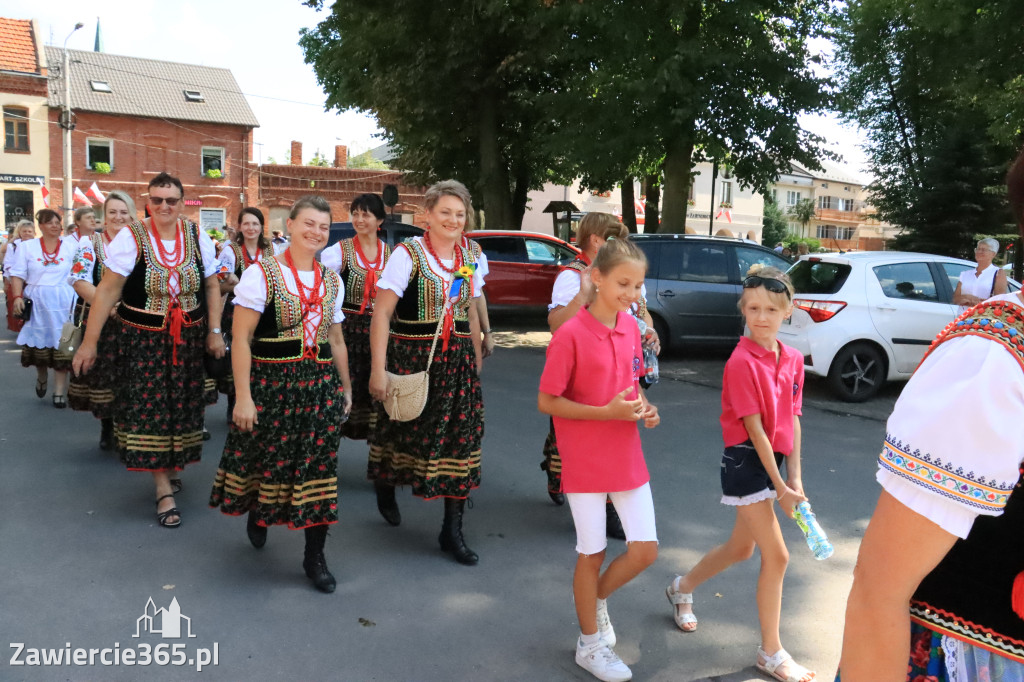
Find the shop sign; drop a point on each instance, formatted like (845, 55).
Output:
(193, 202)
(22, 179)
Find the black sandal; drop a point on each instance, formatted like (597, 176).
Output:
(161, 516)
(41, 388)
(176, 485)
(60, 401)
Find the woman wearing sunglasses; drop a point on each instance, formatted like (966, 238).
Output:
(163, 270)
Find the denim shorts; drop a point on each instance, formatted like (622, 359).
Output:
(744, 479)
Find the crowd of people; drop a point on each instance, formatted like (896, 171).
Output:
(324, 343)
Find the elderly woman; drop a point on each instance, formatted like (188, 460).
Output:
(985, 281)
(939, 539)
(428, 283)
(84, 225)
(164, 273)
(359, 260)
(94, 392)
(292, 388)
(571, 292)
(248, 247)
(39, 274)
(23, 231)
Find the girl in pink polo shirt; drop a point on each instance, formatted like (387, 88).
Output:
(762, 393)
(590, 388)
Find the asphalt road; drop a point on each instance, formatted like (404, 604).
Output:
(80, 553)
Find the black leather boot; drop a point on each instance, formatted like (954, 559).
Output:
(386, 504)
(314, 563)
(106, 433)
(451, 533)
(257, 533)
(613, 524)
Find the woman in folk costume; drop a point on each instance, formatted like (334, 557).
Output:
(430, 283)
(247, 248)
(292, 392)
(39, 274)
(945, 535)
(94, 392)
(163, 270)
(359, 261)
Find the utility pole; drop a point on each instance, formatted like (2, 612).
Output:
(67, 195)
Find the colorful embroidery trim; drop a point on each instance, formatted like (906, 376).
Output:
(1000, 321)
(990, 496)
(965, 630)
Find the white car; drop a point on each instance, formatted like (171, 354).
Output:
(863, 318)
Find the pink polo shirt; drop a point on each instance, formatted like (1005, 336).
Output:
(754, 383)
(589, 363)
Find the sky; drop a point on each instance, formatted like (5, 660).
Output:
(258, 41)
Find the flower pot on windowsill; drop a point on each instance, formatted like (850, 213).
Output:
(101, 168)
(213, 174)
(725, 204)
(691, 202)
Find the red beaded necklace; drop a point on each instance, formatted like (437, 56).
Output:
(374, 264)
(372, 268)
(245, 253)
(307, 299)
(170, 259)
(457, 256)
(49, 258)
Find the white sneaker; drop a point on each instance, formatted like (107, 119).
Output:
(601, 662)
(604, 623)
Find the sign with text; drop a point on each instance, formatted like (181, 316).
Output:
(22, 179)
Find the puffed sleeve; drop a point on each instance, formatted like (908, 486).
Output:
(251, 290)
(208, 252)
(331, 257)
(83, 263)
(567, 285)
(122, 252)
(16, 265)
(397, 272)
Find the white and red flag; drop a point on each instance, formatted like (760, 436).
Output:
(79, 196)
(96, 194)
(726, 212)
(45, 192)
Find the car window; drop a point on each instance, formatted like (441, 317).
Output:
(818, 277)
(502, 249)
(912, 281)
(746, 256)
(547, 253)
(694, 262)
(953, 271)
(651, 249)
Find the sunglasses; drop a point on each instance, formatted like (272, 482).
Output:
(171, 201)
(769, 283)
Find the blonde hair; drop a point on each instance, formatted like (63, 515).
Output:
(769, 272)
(603, 225)
(615, 252)
(452, 188)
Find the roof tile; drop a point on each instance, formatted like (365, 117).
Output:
(17, 46)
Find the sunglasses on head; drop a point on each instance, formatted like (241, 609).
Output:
(769, 283)
(171, 201)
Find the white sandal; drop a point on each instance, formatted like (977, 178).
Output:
(795, 671)
(676, 598)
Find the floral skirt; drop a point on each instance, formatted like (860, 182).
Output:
(438, 453)
(49, 358)
(94, 392)
(286, 468)
(357, 339)
(552, 463)
(158, 405)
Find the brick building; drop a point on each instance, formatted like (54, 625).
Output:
(25, 159)
(137, 117)
(279, 185)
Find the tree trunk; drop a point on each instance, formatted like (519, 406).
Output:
(652, 201)
(678, 154)
(494, 177)
(628, 195)
(519, 197)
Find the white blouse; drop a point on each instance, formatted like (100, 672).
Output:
(954, 441)
(122, 252)
(28, 263)
(399, 269)
(251, 292)
(331, 257)
(977, 285)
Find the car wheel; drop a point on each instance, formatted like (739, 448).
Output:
(857, 372)
(662, 331)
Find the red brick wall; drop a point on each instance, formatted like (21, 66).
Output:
(144, 147)
(23, 85)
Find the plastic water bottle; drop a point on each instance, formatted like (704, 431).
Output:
(813, 532)
(650, 358)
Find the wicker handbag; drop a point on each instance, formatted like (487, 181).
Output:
(407, 393)
(71, 332)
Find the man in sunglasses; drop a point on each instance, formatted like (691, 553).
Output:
(161, 273)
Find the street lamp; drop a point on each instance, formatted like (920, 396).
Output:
(68, 125)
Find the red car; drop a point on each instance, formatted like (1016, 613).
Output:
(523, 266)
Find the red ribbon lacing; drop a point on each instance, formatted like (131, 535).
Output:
(449, 311)
(372, 273)
(307, 299)
(176, 317)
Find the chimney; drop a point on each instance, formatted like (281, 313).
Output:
(296, 159)
(340, 156)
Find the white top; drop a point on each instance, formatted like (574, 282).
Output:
(481, 263)
(954, 441)
(28, 263)
(227, 257)
(279, 247)
(12, 247)
(251, 292)
(122, 254)
(567, 285)
(399, 269)
(977, 285)
(331, 257)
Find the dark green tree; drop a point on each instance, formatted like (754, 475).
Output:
(774, 225)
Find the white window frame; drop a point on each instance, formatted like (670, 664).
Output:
(726, 188)
(204, 217)
(825, 202)
(211, 151)
(793, 197)
(92, 140)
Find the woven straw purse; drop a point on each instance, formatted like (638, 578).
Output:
(407, 393)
